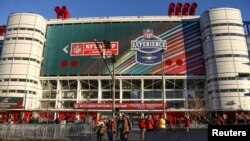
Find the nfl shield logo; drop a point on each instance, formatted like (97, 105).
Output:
(77, 49)
(148, 33)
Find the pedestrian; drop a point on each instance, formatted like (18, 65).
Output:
(150, 123)
(142, 126)
(119, 127)
(126, 127)
(111, 128)
(162, 123)
(100, 132)
(187, 123)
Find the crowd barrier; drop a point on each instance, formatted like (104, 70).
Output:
(43, 131)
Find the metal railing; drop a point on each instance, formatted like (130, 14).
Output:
(44, 131)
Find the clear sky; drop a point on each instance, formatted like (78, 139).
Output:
(100, 8)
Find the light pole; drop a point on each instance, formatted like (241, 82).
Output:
(163, 85)
(113, 60)
(113, 83)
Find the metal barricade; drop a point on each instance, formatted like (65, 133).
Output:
(45, 131)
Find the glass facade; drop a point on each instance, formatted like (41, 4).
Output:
(177, 92)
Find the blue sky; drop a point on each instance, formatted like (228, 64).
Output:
(99, 8)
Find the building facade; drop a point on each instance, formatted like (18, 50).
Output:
(185, 62)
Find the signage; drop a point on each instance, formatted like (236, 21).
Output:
(90, 48)
(119, 105)
(11, 102)
(148, 48)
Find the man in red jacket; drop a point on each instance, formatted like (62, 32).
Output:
(150, 123)
(187, 123)
(142, 126)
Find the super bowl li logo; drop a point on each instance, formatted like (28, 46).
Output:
(148, 48)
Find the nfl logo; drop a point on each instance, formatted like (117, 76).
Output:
(148, 33)
(77, 49)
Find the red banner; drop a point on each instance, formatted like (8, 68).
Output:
(90, 48)
(119, 105)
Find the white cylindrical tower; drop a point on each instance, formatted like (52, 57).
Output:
(21, 59)
(226, 59)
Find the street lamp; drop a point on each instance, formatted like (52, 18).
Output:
(163, 85)
(107, 45)
(113, 60)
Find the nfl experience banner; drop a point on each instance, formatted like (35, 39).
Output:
(139, 48)
(149, 48)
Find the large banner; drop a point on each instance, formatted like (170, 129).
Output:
(139, 47)
(119, 105)
(11, 102)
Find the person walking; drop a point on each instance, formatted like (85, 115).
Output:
(100, 132)
(119, 127)
(111, 128)
(142, 126)
(150, 123)
(126, 127)
(187, 123)
(162, 123)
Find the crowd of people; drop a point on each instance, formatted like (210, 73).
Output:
(118, 127)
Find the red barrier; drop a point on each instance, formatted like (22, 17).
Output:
(171, 9)
(178, 9)
(185, 9)
(192, 9)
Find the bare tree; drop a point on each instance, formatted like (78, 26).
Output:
(198, 111)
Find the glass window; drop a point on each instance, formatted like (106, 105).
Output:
(89, 95)
(169, 84)
(93, 84)
(174, 84)
(152, 84)
(31, 29)
(131, 94)
(106, 84)
(28, 38)
(20, 91)
(69, 94)
(152, 94)
(175, 104)
(179, 104)
(48, 104)
(25, 58)
(84, 84)
(195, 84)
(17, 58)
(65, 84)
(13, 79)
(49, 84)
(12, 91)
(174, 94)
(131, 84)
(68, 104)
(109, 95)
